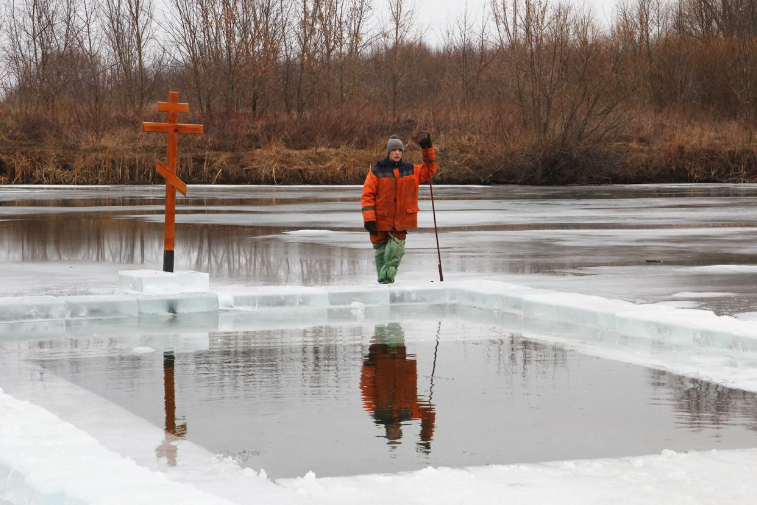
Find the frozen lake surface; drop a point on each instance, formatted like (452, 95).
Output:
(639, 243)
(170, 399)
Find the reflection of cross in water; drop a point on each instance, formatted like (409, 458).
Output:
(173, 431)
(168, 171)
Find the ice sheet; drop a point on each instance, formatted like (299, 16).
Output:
(157, 282)
(640, 245)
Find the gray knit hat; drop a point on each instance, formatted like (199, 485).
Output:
(394, 143)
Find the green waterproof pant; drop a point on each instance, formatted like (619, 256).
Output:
(388, 257)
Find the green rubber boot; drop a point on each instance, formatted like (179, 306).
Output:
(379, 250)
(395, 250)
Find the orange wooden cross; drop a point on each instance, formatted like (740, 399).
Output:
(173, 128)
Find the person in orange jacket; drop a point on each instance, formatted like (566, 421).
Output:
(390, 203)
(389, 387)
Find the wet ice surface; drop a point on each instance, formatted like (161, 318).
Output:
(639, 243)
(683, 245)
(365, 398)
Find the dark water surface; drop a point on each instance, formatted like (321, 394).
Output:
(365, 398)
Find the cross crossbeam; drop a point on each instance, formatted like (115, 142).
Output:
(168, 171)
(171, 178)
(171, 128)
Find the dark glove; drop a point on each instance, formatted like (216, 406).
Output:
(424, 140)
(371, 227)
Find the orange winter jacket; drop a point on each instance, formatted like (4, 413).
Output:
(390, 192)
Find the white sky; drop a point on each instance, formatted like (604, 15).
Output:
(437, 14)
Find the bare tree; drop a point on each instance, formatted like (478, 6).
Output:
(306, 37)
(400, 38)
(195, 33)
(42, 40)
(470, 54)
(89, 84)
(567, 79)
(354, 44)
(129, 28)
(260, 33)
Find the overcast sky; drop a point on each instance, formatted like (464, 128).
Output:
(437, 14)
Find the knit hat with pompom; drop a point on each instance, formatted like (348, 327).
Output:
(394, 143)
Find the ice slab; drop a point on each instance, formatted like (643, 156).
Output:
(31, 308)
(547, 311)
(345, 296)
(154, 282)
(266, 298)
(81, 307)
(178, 304)
(431, 295)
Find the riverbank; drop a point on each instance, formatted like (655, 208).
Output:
(663, 154)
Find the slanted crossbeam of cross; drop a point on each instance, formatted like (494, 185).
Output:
(168, 171)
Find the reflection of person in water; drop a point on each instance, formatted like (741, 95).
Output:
(174, 431)
(389, 385)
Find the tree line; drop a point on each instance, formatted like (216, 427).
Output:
(527, 91)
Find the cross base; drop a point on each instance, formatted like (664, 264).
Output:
(168, 261)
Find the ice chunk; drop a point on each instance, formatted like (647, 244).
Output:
(176, 323)
(266, 298)
(428, 295)
(675, 326)
(487, 295)
(154, 282)
(101, 306)
(342, 314)
(178, 304)
(344, 296)
(31, 308)
(575, 309)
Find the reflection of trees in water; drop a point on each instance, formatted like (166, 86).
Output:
(235, 253)
(79, 238)
(314, 359)
(230, 250)
(705, 403)
(226, 251)
(528, 359)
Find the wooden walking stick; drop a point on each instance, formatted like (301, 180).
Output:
(433, 211)
(168, 171)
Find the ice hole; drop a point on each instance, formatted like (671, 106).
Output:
(345, 392)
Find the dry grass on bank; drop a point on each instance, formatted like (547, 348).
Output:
(654, 149)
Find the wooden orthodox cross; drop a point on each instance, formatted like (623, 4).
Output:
(173, 128)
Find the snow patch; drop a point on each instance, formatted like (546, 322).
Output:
(142, 350)
(721, 269)
(309, 233)
(702, 294)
